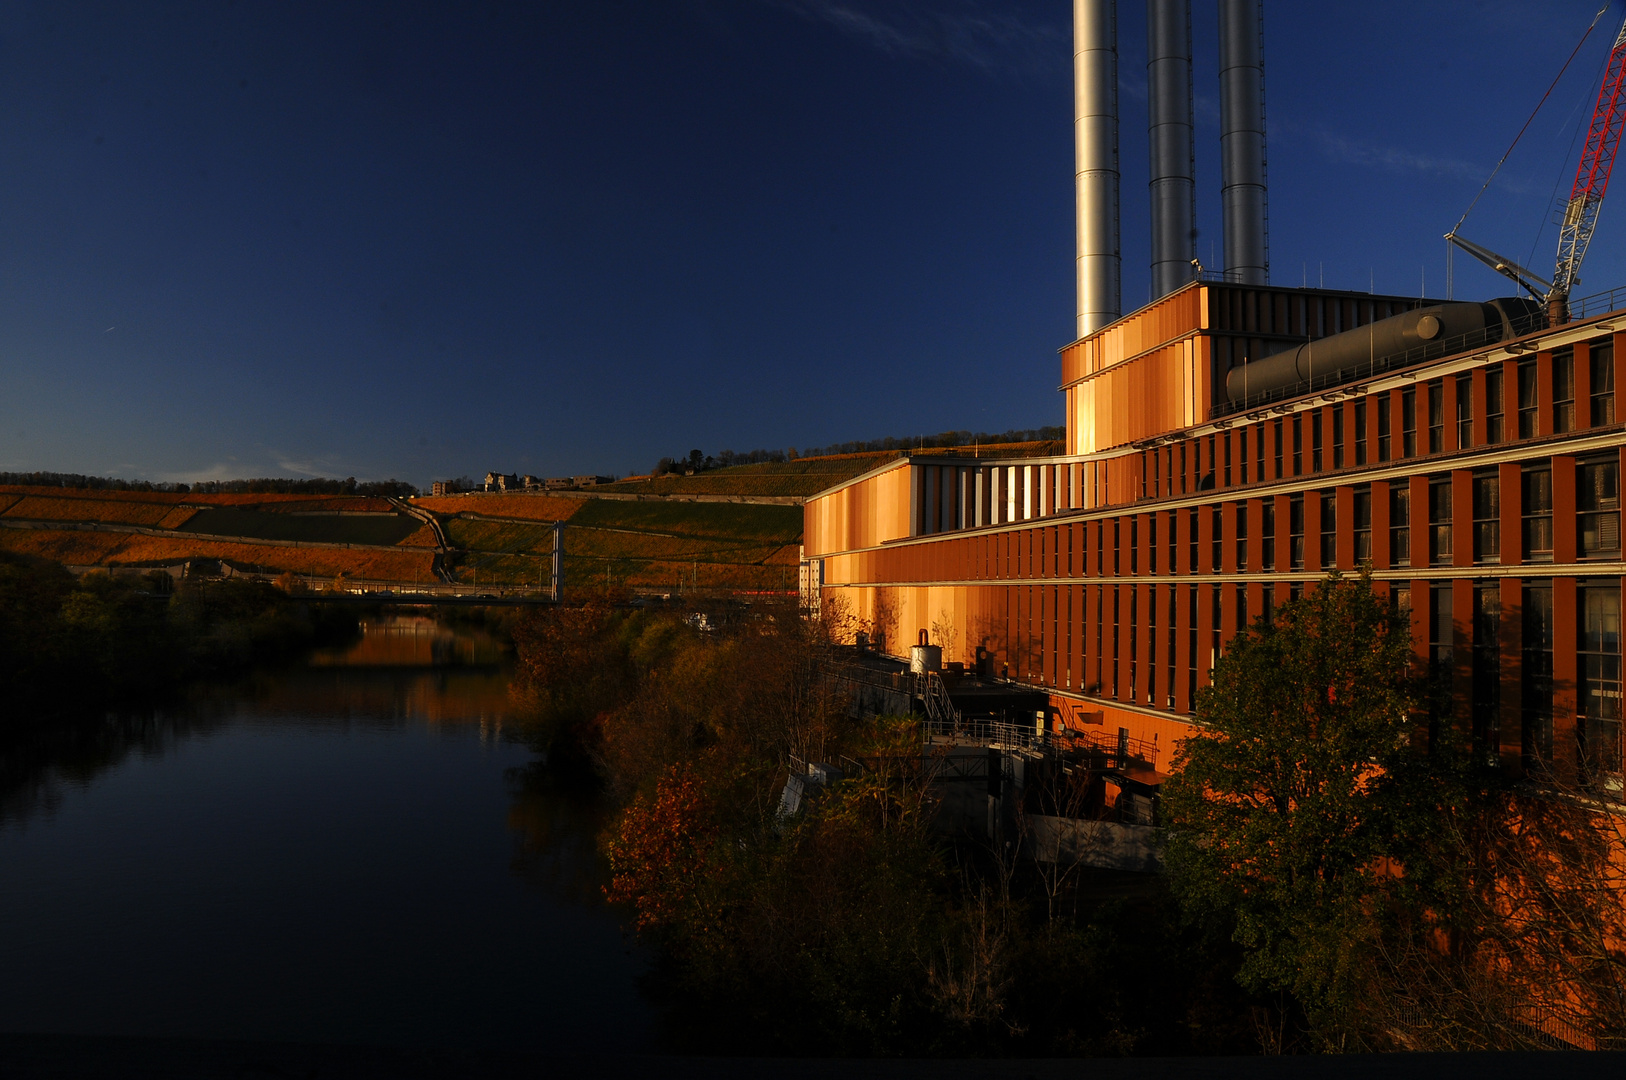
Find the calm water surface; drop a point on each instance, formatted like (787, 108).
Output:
(355, 852)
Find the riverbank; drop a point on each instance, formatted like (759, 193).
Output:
(75, 645)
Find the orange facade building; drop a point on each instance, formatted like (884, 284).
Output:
(1478, 477)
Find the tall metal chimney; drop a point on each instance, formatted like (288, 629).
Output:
(1242, 141)
(1095, 133)
(1174, 192)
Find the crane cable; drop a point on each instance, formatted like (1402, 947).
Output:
(1532, 118)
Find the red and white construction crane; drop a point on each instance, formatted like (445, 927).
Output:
(1586, 195)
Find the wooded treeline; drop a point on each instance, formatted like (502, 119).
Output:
(1343, 874)
(72, 646)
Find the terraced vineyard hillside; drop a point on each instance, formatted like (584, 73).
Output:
(648, 546)
(737, 529)
(318, 536)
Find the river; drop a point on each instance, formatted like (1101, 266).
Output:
(355, 851)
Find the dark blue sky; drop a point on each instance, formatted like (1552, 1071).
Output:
(419, 240)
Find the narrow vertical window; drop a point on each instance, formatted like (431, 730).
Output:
(1117, 602)
(1598, 500)
(1174, 647)
(1218, 545)
(1315, 440)
(1602, 362)
(1241, 536)
(1267, 535)
(1338, 436)
(1536, 675)
(1527, 399)
(1563, 391)
(1487, 517)
(1298, 444)
(1259, 453)
(1295, 532)
(1360, 432)
(1151, 645)
(1536, 509)
(1440, 653)
(1399, 523)
(1487, 661)
(1191, 535)
(1329, 529)
(1436, 416)
(1191, 646)
(1151, 543)
(1216, 599)
(1383, 429)
(1408, 422)
(1362, 507)
(1600, 689)
(1493, 405)
(1276, 436)
(1439, 521)
(1465, 411)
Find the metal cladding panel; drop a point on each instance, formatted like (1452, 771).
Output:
(860, 515)
(1096, 178)
(1158, 323)
(1154, 394)
(1242, 142)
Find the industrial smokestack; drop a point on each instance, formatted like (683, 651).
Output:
(1242, 141)
(1174, 193)
(1095, 133)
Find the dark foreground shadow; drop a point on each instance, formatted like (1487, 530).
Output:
(66, 1057)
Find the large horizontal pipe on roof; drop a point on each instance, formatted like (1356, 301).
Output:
(1438, 323)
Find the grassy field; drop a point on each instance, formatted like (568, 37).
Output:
(781, 524)
(317, 528)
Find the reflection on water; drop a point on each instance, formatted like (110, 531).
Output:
(412, 641)
(360, 850)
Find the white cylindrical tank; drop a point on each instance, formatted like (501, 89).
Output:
(924, 658)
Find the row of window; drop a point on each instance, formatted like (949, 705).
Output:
(1131, 644)
(1183, 541)
(1316, 440)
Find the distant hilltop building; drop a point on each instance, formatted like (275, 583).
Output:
(496, 482)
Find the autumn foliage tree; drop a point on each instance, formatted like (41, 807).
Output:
(1281, 810)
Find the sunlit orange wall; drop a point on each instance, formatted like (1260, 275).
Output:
(1163, 391)
(863, 514)
(1173, 317)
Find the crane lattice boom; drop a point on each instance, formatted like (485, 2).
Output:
(1592, 178)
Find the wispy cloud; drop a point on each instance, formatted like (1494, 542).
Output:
(1349, 151)
(990, 38)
